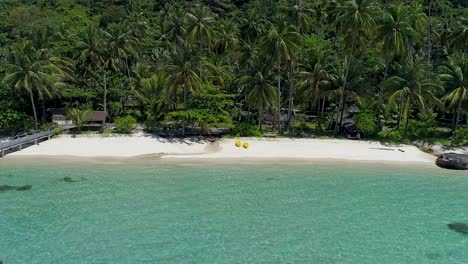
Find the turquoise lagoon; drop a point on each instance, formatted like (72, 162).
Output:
(142, 213)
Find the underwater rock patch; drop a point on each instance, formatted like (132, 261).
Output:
(459, 227)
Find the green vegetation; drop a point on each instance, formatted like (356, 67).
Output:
(125, 124)
(289, 67)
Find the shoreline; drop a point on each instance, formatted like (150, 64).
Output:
(142, 148)
(158, 160)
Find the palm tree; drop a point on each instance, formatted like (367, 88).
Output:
(152, 93)
(356, 21)
(92, 56)
(299, 13)
(79, 117)
(200, 26)
(228, 36)
(453, 79)
(414, 85)
(29, 72)
(459, 36)
(395, 31)
(182, 73)
(282, 46)
(431, 4)
(259, 91)
(314, 77)
(121, 46)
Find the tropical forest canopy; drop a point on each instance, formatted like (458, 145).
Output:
(288, 65)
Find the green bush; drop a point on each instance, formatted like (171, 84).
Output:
(420, 130)
(246, 130)
(366, 123)
(125, 124)
(460, 137)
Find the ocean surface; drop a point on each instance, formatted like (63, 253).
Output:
(153, 213)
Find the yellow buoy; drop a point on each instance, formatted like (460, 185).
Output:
(238, 143)
(246, 145)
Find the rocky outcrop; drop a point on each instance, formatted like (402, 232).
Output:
(459, 227)
(6, 188)
(18, 188)
(453, 161)
(24, 188)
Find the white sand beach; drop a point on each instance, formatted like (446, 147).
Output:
(261, 148)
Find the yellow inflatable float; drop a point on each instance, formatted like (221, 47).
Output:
(246, 145)
(238, 143)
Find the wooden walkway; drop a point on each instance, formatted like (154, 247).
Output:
(18, 143)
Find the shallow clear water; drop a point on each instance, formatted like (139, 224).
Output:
(232, 214)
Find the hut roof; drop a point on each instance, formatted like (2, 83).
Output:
(97, 116)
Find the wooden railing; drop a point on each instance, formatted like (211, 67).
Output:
(19, 141)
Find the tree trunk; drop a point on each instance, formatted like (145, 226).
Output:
(341, 105)
(429, 32)
(407, 116)
(104, 76)
(43, 117)
(34, 110)
(291, 98)
(400, 113)
(457, 118)
(279, 98)
(260, 118)
(185, 97)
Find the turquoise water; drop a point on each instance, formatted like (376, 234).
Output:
(232, 214)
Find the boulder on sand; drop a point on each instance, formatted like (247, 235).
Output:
(453, 161)
(459, 227)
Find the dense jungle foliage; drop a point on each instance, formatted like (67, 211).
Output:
(294, 66)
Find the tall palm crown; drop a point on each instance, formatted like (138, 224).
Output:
(259, 90)
(356, 18)
(182, 72)
(90, 46)
(121, 45)
(459, 36)
(299, 14)
(395, 31)
(29, 72)
(452, 76)
(281, 45)
(200, 26)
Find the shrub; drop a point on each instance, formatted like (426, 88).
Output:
(460, 137)
(125, 124)
(420, 130)
(246, 130)
(366, 123)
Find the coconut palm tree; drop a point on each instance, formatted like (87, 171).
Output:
(395, 31)
(459, 36)
(282, 46)
(28, 71)
(259, 90)
(431, 4)
(121, 46)
(356, 21)
(413, 86)
(93, 56)
(152, 92)
(182, 73)
(453, 78)
(200, 27)
(79, 117)
(299, 14)
(227, 37)
(313, 78)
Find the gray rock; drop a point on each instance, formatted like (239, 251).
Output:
(453, 161)
(24, 188)
(459, 227)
